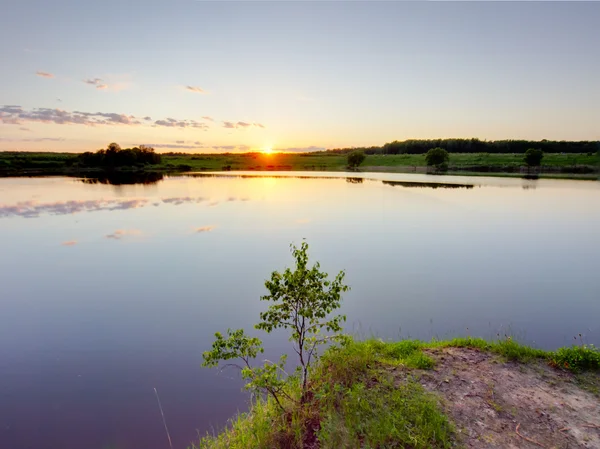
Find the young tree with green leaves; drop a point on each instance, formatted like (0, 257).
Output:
(302, 302)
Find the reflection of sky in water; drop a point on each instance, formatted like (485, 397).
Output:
(99, 308)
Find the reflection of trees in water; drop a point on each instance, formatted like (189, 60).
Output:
(430, 185)
(355, 180)
(120, 178)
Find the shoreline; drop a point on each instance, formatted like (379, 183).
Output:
(465, 392)
(103, 173)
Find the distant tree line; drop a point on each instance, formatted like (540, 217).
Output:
(115, 156)
(420, 146)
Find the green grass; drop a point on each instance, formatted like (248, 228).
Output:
(460, 163)
(356, 401)
(335, 162)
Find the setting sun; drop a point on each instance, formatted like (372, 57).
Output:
(267, 150)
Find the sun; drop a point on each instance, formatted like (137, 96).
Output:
(267, 150)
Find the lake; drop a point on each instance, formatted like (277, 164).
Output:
(111, 290)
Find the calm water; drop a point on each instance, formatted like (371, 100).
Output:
(108, 291)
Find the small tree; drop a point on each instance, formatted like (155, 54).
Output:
(355, 159)
(303, 300)
(437, 157)
(533, 157)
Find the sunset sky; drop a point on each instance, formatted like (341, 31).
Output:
(184, 75)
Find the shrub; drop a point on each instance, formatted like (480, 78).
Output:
(437, 157)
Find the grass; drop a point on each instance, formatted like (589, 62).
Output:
(335, 162)
(356, 401)
(554, 164)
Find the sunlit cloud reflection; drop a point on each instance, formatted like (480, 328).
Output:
(34, 209)
(204, 229)
(121, 233)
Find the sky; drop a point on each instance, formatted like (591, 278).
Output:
(198, 76)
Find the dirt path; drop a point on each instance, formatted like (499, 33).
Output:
(510, 405)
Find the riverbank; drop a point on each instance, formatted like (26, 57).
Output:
(460, 393)
(555, 165)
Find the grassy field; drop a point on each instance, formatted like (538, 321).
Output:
(335, 162)
(369, 394)
(12, 163)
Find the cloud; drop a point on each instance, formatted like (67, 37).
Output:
(94, 81)
(204, 229)
(16, 115)
(69, 243)
(225, 147)
(147, 118)
(44, 74)
(120, 233)
(241, 125)
(195, 89)
(39, 139)
(196, 146)
(180, 142)
(176, 201)
(172, 123)
(24, 129)
(209, 118)
(33, 209)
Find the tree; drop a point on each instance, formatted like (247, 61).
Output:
(355, 159)
(303, 301)
(533, 157)
(437, 157)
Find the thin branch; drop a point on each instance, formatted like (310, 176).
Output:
(231, 365)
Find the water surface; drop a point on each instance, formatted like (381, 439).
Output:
(108, 291)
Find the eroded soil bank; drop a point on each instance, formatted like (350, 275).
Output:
(498, 404)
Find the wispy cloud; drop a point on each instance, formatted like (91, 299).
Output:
(16, 115)
(204, 229)
(121, 233)
(69, 243)
(39, 139)
(173, 123)
(97, 82)
(177, 146)
(24, 129)
(195, 89)
(208, 117)
(184, 199)
(44, 74)
(33, 209)
(241, 125)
